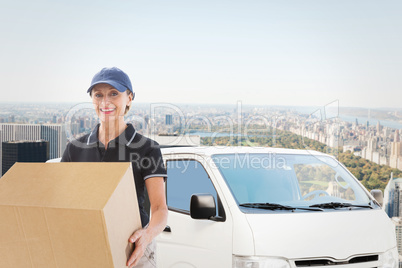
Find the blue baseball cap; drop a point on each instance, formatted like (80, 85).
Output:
(112, 76)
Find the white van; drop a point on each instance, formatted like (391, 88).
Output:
(265, 207)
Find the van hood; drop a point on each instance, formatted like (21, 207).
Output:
(338, 234)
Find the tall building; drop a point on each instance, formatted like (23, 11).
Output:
(378, 128)
(393, 198)
(23, 151)
(54, 133)
(169, 123)
(395, 160)
(371, 148)
(397, 221)
(146, 125)
(169, 119)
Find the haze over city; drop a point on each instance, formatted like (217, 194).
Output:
(259, 52)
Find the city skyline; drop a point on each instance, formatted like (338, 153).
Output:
(377, 141)
(289, 53)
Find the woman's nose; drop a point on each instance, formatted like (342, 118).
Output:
(105, 100)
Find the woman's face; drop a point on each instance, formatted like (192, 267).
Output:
(109, 103)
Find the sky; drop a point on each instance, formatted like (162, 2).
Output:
(258, 52)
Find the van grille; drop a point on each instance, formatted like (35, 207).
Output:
(328, 262)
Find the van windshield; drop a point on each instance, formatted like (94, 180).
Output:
(295, 180)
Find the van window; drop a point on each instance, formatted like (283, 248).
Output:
(300, 180)
(185, 178)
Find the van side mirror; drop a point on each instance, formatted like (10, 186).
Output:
(377, 194)
(202, 206)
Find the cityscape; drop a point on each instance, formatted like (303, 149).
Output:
(375, 136)
(374, 139)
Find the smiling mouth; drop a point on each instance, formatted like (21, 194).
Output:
(107, 110)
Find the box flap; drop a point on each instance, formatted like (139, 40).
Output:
(61, 185)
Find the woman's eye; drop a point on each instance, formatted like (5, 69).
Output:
(114, 93)
(98, 95)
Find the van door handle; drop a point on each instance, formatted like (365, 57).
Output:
(167, 229)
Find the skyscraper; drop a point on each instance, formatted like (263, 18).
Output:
(54, 133)
(169, 119)
(378, 128)
(23, 151)
(393, 198)
(397, 221)
(395, 160)
(371, 148)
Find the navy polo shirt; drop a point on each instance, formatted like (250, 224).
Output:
(143, 153)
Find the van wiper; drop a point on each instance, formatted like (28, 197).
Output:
(335, 205)
(274, 206)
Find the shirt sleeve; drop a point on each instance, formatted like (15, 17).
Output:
(152, 164)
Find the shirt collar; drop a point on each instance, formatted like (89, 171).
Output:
(125, 138)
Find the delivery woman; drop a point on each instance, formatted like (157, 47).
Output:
(112, 140)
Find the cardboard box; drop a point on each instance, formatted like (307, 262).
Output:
(67, 215)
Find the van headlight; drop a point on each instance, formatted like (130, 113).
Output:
(390, 259)
(259, 262)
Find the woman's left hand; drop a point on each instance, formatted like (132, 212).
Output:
(143, 237)
(141, 240)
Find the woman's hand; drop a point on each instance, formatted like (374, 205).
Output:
(143, 237)
(141, 240)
